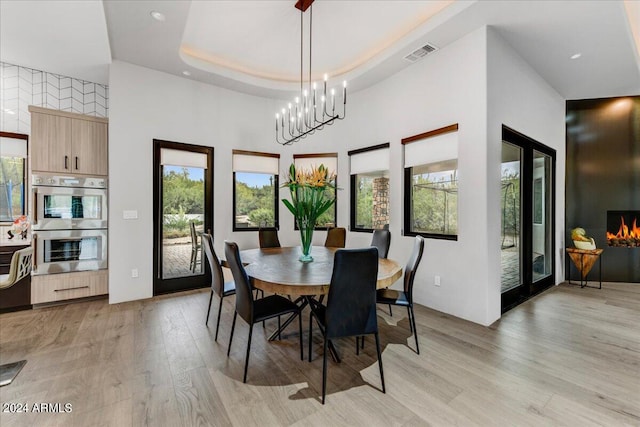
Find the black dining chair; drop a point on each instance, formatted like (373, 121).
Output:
(336, 237)
(253, 311)
(268, 238)
(218, 285)
(405, 297)
(351, 303)
(381, 240)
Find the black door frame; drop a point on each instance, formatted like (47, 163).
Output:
(160, 285)
(528, 288)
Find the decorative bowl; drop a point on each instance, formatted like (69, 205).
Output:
(585, 245)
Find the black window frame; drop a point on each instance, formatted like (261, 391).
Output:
(407, 186)
(353, 202)
(25, 172)
(276, 193)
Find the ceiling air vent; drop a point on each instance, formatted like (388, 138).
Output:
(420, 53)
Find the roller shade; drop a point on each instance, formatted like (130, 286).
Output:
(431, 150)
(307, 162)
(370, 161)
(256, 162)
(184, 158)
(11, 147)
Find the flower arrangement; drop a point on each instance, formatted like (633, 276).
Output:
(308, 200)
(20, 226)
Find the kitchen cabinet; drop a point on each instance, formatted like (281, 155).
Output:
(68, 143)
(66, 286)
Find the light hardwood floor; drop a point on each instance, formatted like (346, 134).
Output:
(568, 357)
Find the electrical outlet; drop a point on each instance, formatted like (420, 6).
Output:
(134, 272)
(436, 281)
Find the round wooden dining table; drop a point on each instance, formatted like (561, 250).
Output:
(279, 271)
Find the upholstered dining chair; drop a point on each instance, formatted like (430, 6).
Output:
(195, 247)
(351, 303)
(218, 285)
(336, 237)
(381, 240)
(19, 268)
(253, 311)
(268, 238)
(405, 297)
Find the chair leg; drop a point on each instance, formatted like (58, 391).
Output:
(362, 341)
(233, 326)
(218, 321)
(300, 325)
(246, 359)
(324, 368)
(357, 346)
(380, 361)
(310, 334)
(279, 337)
(410, 322)
(209, 309)
(415, 331)
(390, 312)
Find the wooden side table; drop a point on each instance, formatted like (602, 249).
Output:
(584, 260)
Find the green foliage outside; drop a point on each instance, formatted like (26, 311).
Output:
(182, 196)
(258, 203)
(11, 170)
(435, 204)
(364, 198)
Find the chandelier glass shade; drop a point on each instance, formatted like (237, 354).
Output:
(312, 109)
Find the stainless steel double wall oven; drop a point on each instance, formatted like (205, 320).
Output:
(69, 221)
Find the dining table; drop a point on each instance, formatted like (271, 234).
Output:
(279, 271)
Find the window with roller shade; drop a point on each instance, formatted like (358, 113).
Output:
(255, 190)
(369, 170)
(330, 161)
(13, 176)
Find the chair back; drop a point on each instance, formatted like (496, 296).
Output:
(351, 304)
(336, 237)
(268, 238)
(20, 267)
(217, 277)
(244, 296)
(412, 266)
(194, 235)
(382, 241)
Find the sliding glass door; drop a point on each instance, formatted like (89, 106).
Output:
(527, 212)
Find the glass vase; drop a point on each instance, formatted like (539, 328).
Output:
(306, 236)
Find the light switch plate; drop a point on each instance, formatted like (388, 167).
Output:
(130, 214)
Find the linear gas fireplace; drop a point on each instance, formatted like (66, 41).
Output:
(623, 229)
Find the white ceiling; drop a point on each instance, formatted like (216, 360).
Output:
(253, 46)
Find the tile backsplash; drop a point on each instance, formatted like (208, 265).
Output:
(22, 86)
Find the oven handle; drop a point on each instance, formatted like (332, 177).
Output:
(35, 251)
(35, 206)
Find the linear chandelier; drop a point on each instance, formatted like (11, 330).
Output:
(309, 112)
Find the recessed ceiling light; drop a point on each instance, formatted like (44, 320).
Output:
(158, 16)
(576, 55)
(186, 73)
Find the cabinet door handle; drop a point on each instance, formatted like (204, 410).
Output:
(35, 251)
(71, 289)
(66, 162)
(76, 162)
(35, 206)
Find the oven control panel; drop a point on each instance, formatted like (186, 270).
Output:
(68, 181)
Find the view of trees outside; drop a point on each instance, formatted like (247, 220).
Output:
(364, 201)
(329, 217)
(510, 203)
(434, 207)
(183, 200)
(255, 200)
(11, 187)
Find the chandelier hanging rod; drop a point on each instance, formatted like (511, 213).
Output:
(303, 118)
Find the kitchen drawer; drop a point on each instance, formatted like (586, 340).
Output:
(65, 286)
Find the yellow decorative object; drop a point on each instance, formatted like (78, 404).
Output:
(581, 241)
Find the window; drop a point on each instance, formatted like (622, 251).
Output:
(431, 184)
(255, 190)
(330, 161)
(13, 175)
(369, 169)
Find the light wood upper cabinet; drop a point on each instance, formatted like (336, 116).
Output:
(68, 143)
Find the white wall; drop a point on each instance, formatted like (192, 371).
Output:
(520, 99)
(449, 86)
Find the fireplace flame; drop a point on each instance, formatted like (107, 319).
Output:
(624, 232)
